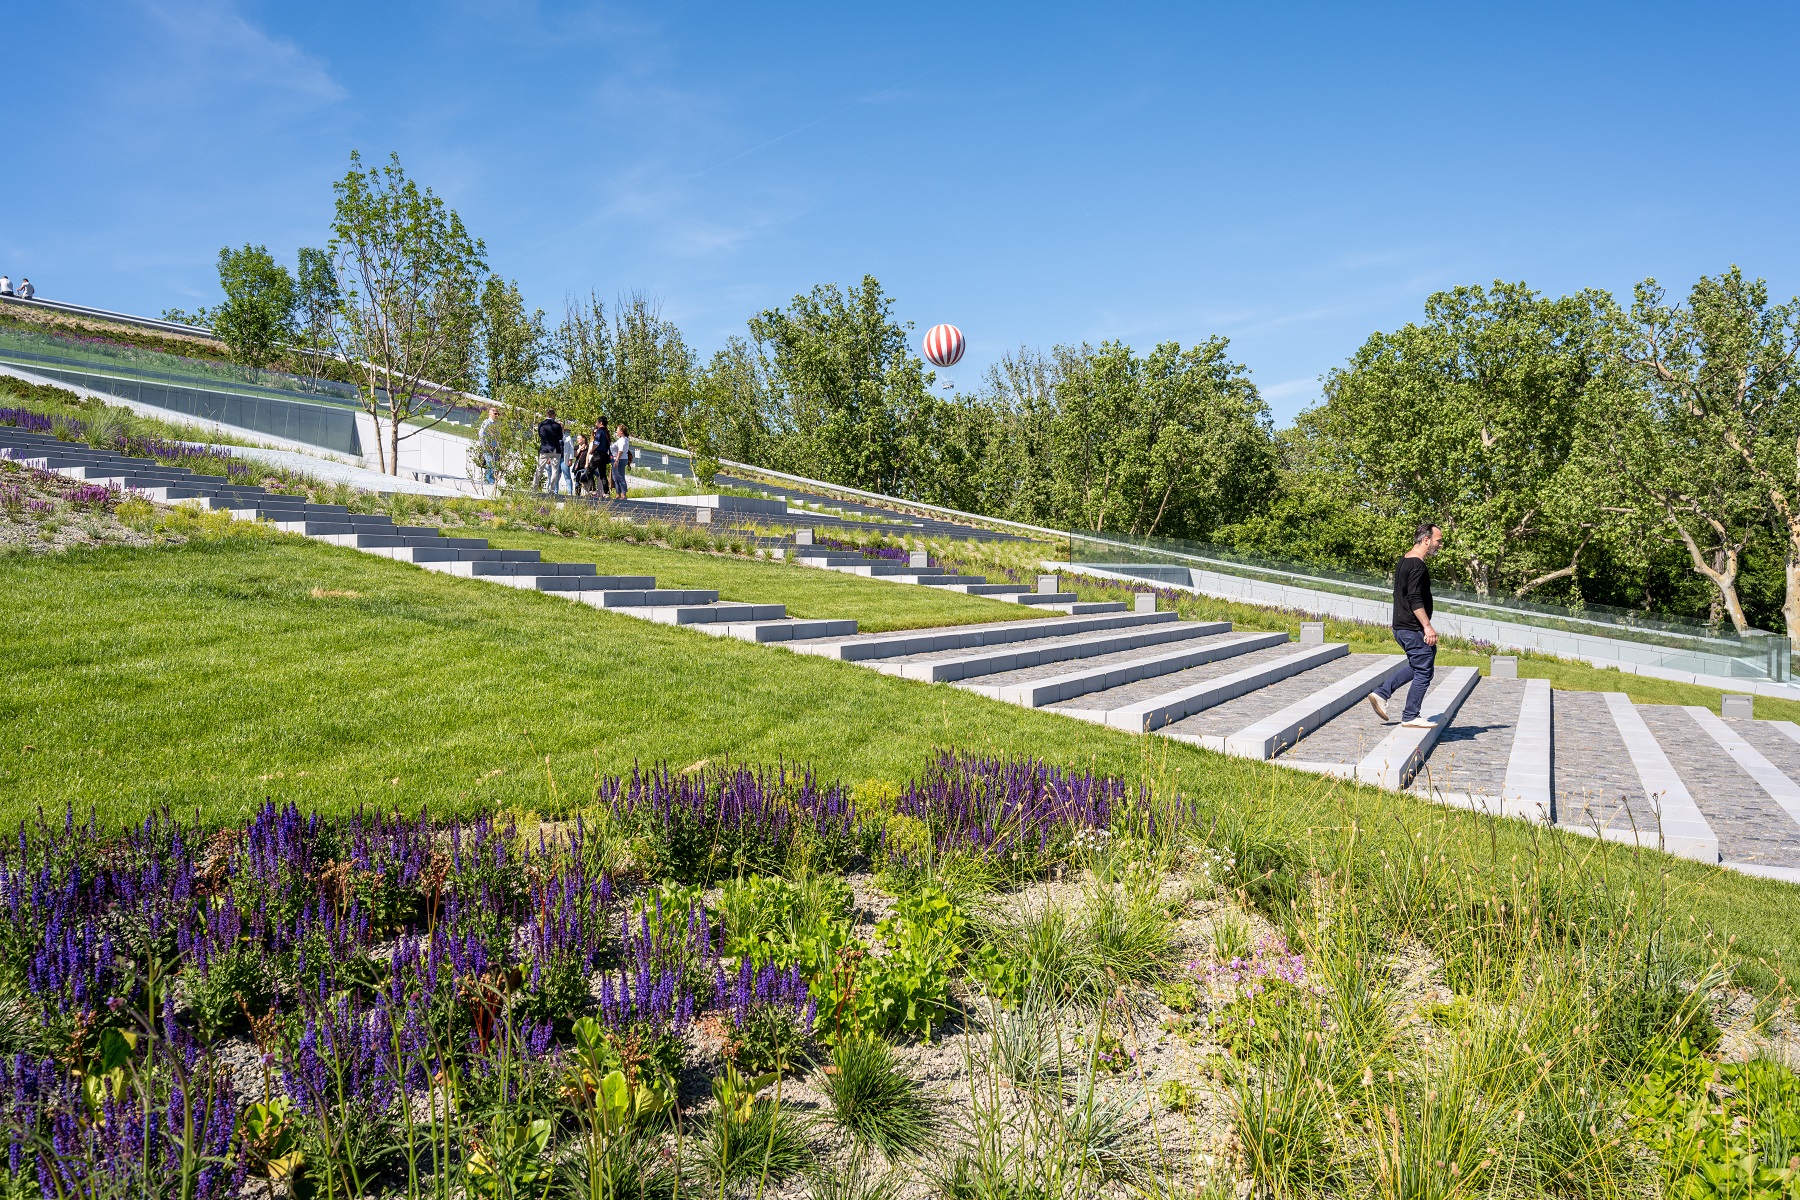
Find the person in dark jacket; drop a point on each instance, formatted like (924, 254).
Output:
(550, 451)
(602, 457)
(1413, 630)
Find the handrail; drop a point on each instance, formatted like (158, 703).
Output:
(82, 310)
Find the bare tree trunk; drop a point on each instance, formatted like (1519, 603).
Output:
(1790, 604)
(1715, 611)
(1724, 578)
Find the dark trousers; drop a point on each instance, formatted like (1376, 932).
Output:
(1421, 661)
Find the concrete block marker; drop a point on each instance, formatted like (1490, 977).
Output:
(803, 537)
(918, 559)
(1312, 633)
(1397, 757)
(1769, 777)
(1527, 792)
(1148, 716)
(1285, 727)
(1144, 602)
(1069, 684)
(1684, 829)
(1741, 708)
(1049, 585)
(1503, 666)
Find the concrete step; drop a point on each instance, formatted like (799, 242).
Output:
(1030, 597)
(1067, 684)
(948, 666)
(696, 614)
(1296, 699)
(887, 570)
(427, 556)
(959, 637)
(1083, 607)
(828, 558)
(647, 595)
(1164, 707)
(998, 591)
(487, 568)
(946, 582)
(784, 630)
(1358, 744)
(389, 541)
(547, 580)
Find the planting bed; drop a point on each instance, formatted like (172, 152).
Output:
(998, 979)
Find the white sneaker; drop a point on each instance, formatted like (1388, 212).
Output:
(1419, 723)
(1379, 705)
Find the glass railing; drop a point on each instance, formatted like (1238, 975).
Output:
(102, 356)
(1637, 637)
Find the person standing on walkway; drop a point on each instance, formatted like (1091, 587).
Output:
(550, 443)
(568, 460)
(602, 457)
(5, 286)
(487, 451)
(621, 452)
(1413, 630)
(26, 291)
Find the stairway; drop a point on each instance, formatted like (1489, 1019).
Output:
(631, 595)
(1714, 789)
(919, 571)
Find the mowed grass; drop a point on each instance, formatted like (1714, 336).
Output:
(212, 676)
(807, 591)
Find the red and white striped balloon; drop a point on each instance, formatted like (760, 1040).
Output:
(944, 345)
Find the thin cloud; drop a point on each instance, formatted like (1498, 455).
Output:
(216, 48)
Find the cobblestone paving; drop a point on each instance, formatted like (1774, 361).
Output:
(1751, 827)
(1591, 773)
(1157, 684)
(1471, 756)
(888, 635)
(1349, 736)
(1233, 715)
(1772, 744)
(1070, 639)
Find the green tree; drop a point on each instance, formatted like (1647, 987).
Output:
(1718, 435)
(255, 321)
(1481, 418)
(410, 275)
(841, 376)
(1175, 444)
(316, 301)
(514, 342)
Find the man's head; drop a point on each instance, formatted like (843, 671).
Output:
(550, 414)
(1427, 539)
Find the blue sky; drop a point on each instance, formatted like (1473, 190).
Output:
(1290, 176)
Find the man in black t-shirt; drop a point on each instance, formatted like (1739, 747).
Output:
(1412, 629)
(550, 449)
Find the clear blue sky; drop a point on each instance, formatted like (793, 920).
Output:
(1291, 176)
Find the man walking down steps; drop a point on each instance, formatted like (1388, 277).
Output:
(1412, 629)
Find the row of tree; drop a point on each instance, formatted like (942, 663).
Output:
(1574, 449)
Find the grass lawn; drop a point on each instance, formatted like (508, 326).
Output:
(807, 591)
(213, 675)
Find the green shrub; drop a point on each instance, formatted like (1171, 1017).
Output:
(234, 988)
(873, 1100)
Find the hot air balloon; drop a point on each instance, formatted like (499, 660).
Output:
(944, 345)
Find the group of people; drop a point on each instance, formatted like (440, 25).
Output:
(590, 463)
(24, 292)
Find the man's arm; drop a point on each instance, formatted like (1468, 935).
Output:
(1431, 638)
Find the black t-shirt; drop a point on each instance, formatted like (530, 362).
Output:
(1412, 589)
(550, 436)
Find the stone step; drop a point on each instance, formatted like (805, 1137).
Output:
(958, 637)
(1084, 607)
(938, 581)
(424, 556)
(1679, 826)
(948, 666)
(647, 595)
(272, 501)
(1029, 597)
(696, 614)
(1275, 715)
(1358, 744)
(887, 570)
(784, 630)
(500, 568)
(390, 541)
(1147, 714)
(1067, 684)
(996, 590)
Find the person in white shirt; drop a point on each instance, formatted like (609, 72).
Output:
(621, 449)
(5, 286)
(26, 291)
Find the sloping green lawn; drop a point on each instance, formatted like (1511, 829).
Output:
(210, 676)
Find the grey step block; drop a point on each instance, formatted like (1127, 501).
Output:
(647, 595)
(695, 614)
(1527, 791)
(1285, 727)
(926, 641)
(1083, 607)
(939, 581)
(1145, 716)
(811, 558)
(430, 531)
(996, 590)
(1016, 655)
(371, 541)
(426, 556)
(1080, 681)
(485, 568)
(784, 630)
(1397, 757)
(884, 570)
(1042, 598)
(314, 528)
